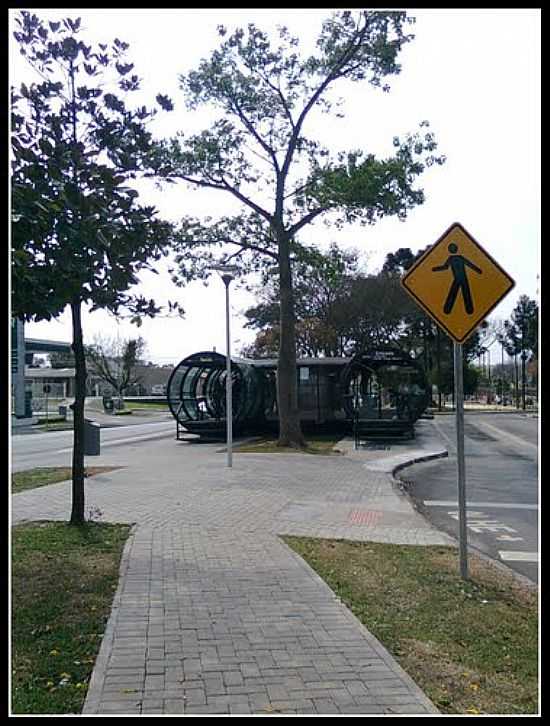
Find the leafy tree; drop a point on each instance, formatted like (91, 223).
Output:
(79, 235)
(374, 312)
(265, 345)
(321, 282)
(260, 151)
(520, 335)
(400, 261)
(114, 361)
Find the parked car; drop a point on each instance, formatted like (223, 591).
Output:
(158, 389)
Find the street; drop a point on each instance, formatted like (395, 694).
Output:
(54, 448)
(501, 452)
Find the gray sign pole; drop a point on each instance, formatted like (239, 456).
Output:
(228, 385)
(459, 403)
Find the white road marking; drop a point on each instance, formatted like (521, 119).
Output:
(507, 435)
(501, 505)
(518, 556)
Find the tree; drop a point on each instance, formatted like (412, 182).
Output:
(402, 260)
(520, 335)
(114, 361)
(321, 284)
(341, 310)
(79, 235)
(374, 312)
(260, 152)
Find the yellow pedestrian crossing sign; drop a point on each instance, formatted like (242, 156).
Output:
(457, 282)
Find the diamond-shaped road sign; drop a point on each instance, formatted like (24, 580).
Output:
(457, 282)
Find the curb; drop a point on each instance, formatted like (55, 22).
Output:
(428, 457)
(376, 645)
(95, 686)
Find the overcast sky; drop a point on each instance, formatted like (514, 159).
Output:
(473, 74)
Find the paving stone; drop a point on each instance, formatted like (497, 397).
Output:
(208, 588)
(240, 708)
(152, 706)
(174, 705)
(195, 696)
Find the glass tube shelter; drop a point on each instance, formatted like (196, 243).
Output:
(384, 383)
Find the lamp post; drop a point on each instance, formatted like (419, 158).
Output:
(227, 274)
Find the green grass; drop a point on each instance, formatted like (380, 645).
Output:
(63, 582)
(54, 426)
(42, 476)
(135, 406)
(320, 444)
(471, 646)
(54, 419)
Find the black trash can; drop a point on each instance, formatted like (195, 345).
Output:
(108, 404)
(91, 438)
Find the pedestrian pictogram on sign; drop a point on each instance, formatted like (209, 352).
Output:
(457, 282)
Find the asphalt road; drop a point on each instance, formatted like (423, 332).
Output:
(502, 482)
(54, 448)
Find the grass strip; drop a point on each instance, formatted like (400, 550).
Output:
(43, 475)
(63, 582)
(143, 406)
(471, 646)
(44, 427)
(321, 444)
(51, 420)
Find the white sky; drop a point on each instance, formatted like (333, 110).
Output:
(473, 74)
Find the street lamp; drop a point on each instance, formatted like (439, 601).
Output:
(227, 274)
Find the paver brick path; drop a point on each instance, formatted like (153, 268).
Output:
(214, 614)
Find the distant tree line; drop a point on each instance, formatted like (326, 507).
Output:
(341, 309)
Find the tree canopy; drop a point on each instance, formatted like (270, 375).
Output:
(78, 231)
(114, 361)
(260, 151)
(520, 333)
(79, 235)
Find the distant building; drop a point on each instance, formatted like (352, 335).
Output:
(153, 377)
(61, 382)
(27, 381)
(22, 352)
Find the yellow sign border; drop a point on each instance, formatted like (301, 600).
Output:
(439, 322)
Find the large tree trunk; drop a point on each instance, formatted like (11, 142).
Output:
(290, 432)
(77, 513)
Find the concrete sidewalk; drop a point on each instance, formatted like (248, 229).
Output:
(214, 614)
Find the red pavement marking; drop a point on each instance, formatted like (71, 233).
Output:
(367, 517)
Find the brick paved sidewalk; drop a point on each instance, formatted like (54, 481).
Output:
(214, 614)
(222, 622)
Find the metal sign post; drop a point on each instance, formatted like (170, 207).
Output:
(457, 283)
(228, 383)
(461, 468)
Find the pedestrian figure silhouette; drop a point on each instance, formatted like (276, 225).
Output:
(458, 265)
